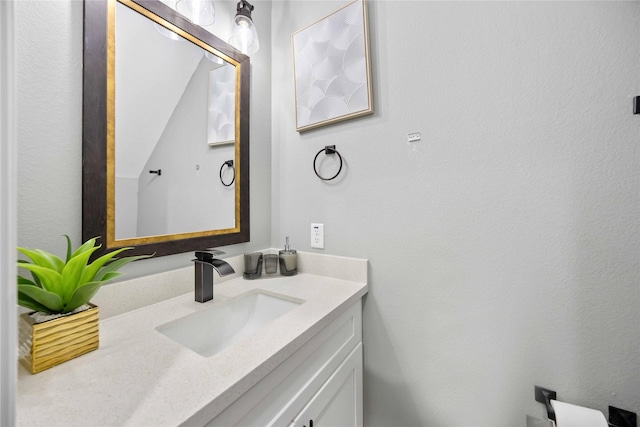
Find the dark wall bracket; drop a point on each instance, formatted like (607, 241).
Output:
(545, 396)
(636, 105)
(621, 418)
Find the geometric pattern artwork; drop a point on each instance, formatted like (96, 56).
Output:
(221, 128)
(331, 68)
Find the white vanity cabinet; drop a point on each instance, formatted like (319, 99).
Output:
(320, 385)
(339, 401)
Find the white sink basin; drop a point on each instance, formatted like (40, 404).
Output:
(213, 329)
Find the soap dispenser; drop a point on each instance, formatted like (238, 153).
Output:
(288, 260)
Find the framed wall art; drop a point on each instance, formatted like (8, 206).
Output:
(221, 127)
(332, 73)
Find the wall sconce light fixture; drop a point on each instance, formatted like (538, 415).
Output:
(200, 12)
(244, 36)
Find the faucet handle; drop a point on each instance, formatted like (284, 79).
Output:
(208, 254)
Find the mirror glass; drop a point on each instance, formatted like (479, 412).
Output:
(175, 129)
(165, 131)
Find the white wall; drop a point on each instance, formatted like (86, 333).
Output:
(126, 196)
(8, 197)
(153, 72)
(504, 246)
(49, 93)
(189, 195)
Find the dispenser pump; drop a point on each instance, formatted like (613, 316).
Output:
(288, 260)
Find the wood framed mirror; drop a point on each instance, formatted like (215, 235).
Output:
(165, 131)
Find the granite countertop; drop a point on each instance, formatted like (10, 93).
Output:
(140, 377)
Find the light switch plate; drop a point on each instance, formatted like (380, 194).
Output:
(317, 235)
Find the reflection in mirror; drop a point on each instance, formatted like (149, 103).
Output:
(175, 112)
(165, 131)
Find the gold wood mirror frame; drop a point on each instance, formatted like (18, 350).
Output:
(98, 124)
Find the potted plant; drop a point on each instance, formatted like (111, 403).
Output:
(64, 324)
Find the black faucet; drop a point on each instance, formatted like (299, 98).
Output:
(205, 263)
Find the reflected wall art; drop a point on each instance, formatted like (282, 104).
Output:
(331, 68)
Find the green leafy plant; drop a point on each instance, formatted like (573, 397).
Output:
(62, 286)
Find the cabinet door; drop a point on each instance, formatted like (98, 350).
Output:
(339, 402)
(279, 397)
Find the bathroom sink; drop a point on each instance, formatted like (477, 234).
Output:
(213, 329)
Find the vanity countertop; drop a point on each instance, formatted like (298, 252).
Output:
(139, 377)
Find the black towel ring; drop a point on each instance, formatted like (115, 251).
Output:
(228, 163)
(329, 149)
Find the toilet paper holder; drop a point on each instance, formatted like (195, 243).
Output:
(617, 417)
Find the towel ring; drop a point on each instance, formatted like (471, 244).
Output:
(228, 163)
(329, 149)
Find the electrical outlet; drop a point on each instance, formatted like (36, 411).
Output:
(317, 235)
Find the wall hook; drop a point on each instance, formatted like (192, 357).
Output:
(158, 172)
(328, 150)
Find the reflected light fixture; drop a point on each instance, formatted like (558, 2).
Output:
(244, 36)
(166, 32)
(200, 12)
(213, 58)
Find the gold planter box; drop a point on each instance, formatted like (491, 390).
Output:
(47, 344)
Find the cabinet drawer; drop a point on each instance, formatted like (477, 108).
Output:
(281, 395)
(339, 402)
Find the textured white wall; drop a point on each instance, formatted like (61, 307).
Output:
(504, 246)
(126, 207)
(49, 93)
(153, 72)
(189, 195)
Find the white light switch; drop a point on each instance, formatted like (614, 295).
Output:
(317, 235)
